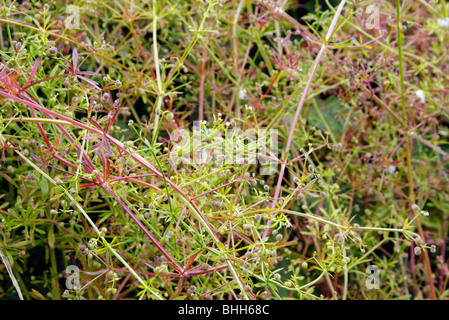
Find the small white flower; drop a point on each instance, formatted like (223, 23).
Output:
(443, 22)
(391, 169)
(242, 94)
(420, 95)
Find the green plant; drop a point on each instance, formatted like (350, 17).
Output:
(97, 99)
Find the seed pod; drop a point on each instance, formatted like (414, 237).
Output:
(418, 241)
(169, 116)
(339, 237)
(417, 251)
(52, 50)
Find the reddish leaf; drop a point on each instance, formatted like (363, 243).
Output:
(92, 82)
(95, 123)
(112, 119)
(5, 68)
(191, 260)
(66, 69)
(88, 73)
(74, 59)
(33, 72)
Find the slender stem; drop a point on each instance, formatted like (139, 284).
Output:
(345, 278)
(186, 198)
(408, 146)
(155, 49)
(93, 225)
(30, 119)
(158, 74)
(7, 25)
(201, 98)
(172, 262)
(7, 265)
(300, 105)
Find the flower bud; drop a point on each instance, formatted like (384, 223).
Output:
(52, 50)
(169, 116)
(417, 251)
(418, 241)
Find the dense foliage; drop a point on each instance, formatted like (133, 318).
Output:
(98, 96)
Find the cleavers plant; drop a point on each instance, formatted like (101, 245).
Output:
(94, 95)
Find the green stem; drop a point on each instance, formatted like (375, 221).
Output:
(407, 144)
(93, 225)
(56, 294)
(7, 25)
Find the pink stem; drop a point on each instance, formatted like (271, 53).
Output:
(299, 108)
(135, 156)
(172, 262)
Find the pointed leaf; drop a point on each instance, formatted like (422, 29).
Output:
(5, 68)
(88, 73)
(191, 259)
(90, 137)
(97, 145)
(44, 189)
(74, 144)
(66, 68)
(107, 147)
(314, 195)
(35, 158)
(37, 295)
(92, 82)
(51, 237)
(34, 70)
(221, 246)
(112, 119)
(95, 123)
(75, 59)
